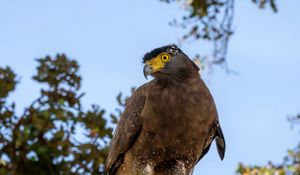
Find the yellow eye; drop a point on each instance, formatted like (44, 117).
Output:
(165, 57)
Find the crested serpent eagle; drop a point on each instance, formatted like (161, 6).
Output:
(169, 123)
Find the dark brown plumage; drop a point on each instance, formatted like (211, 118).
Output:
(169, 123)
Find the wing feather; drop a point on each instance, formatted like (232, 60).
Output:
(127, 131)
(215, 132)
(220, 142)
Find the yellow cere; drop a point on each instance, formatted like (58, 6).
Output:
(159, 61)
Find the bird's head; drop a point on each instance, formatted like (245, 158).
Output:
(168, 61)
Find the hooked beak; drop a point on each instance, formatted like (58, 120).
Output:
(147, 70)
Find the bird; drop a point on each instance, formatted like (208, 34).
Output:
(169, 123)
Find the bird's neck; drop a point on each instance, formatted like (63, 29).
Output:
(187, 80)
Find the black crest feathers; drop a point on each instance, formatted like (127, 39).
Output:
(172, 49)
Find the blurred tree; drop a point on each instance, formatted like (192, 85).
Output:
(54, 135)
(289, 166)
(211, 20)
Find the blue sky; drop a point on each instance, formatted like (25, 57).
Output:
(108, 39)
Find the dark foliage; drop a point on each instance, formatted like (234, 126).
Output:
(54, 135)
